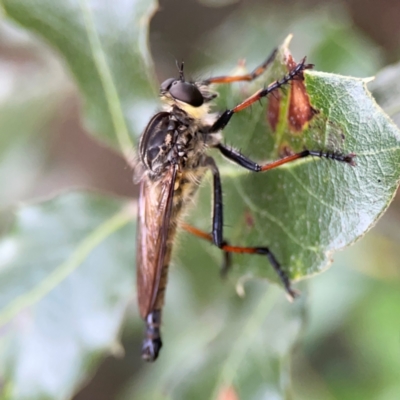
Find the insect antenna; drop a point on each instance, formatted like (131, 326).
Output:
(180, 69)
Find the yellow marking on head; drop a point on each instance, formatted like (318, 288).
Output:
(194, 112)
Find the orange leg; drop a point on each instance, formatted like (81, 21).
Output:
(225, 117)
(246, 250)
(240, 78)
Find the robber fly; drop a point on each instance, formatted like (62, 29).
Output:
(173, 158)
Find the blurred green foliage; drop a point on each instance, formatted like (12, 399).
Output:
(30, 95)
(350, 346)
(61, 308)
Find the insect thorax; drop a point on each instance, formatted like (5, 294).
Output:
(174, 138)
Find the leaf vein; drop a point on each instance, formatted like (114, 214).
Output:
(310, 193)
(276, 221)
(107, 81)
(63, 270)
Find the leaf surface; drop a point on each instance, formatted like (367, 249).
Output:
(305, 210)
(105, 47)
(66, 277)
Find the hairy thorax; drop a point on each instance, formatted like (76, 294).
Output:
(175, 137)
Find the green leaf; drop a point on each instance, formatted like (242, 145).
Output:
(66, 277)
(305, 210)
(105, 47)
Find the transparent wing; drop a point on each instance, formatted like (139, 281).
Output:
(155, 207)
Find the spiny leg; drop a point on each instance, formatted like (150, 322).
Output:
(225, 117)
(248, 250)
(247, 77)
(223, 120)
(216, 236)
(245, 162)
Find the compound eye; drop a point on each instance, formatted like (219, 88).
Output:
(187, 93)
(167, 84)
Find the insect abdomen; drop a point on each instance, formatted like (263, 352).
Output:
(185, 189)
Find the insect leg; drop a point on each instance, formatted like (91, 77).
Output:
(248, 250)
(217, 218)
(216, 237)
(248, 77)
(295, 73)
(227, 263)
(244, 162)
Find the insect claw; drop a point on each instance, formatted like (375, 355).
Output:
(291, 294)
(349, 158)
(296, 72)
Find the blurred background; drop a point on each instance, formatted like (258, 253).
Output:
(349, 347)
